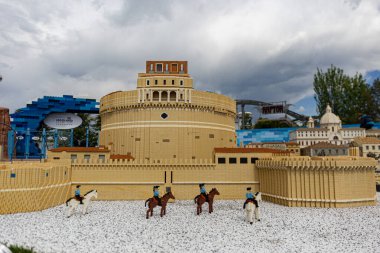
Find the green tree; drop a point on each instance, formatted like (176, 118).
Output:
(93, 123)
(375, 92)
(349, 97)
(247, 121)
(328, 88)
(267, 123)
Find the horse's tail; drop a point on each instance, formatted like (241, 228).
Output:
(195, 199)
(146, 201)
(67, 202)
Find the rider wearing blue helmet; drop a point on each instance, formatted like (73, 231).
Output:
(250, 197)
(203, 191)
(77, 195)
(156, 194)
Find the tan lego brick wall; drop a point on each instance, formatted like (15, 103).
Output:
(28, 186)
(323, 182)
(191, 130)
(290, 181)
(129, 180)
(377, 178)
(67, 156)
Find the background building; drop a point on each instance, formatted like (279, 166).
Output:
(368, 146)
(292, 147)
(330, 131)
(325, 149)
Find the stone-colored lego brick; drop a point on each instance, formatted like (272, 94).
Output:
(318, 183)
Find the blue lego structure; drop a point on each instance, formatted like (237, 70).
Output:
(26, 121)
(275, 134)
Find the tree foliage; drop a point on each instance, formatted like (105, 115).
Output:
(375, 90)
(93, 124)
(267, 123)
(247, 121)
(20, 249)
(349, 97)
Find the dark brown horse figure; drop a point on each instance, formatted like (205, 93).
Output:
(200, 200)
(153, 203)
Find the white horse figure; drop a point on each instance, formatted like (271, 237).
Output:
(73, 202)
(250, 208)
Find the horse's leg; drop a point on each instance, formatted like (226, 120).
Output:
(75, 205)
(151, 210)
(85, 205)
(209, 207)
(69, 211)
(257, 213)
(147, 213)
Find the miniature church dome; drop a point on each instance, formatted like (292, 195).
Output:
(329, 118)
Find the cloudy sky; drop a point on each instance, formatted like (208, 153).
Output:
(260, 49)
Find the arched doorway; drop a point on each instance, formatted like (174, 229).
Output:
(156, 96)
(173, 96)
(164, 96)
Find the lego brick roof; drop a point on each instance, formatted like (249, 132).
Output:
(81, 149)
(248, 150)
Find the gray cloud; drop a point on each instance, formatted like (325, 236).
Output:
(263, 50)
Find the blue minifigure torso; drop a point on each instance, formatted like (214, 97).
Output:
(77, 192)
(203, 190)
(156, 193)
(249, 195)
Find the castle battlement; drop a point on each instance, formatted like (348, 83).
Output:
(326, 182)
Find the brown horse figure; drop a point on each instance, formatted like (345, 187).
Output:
(153, 203)
(200, 200)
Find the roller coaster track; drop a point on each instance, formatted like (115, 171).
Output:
(293, 114)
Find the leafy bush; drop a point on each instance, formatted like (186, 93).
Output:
(20, 249)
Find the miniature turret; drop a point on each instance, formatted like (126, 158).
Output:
(310, 123)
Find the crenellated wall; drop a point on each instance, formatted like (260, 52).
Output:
(320, 182)
(33, 186)
(129, 180)
(290, 181)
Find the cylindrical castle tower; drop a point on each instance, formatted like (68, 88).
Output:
(165, 118)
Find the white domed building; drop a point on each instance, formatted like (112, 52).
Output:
(330, 131)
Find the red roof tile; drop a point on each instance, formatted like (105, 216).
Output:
(324, 144)
(81, 149)
(248, 150)
(122, 157)
(263, 143)
(366, 140)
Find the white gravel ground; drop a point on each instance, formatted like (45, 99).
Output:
(120, 226)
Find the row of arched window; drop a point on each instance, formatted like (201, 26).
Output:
(165, 95)
(149, 82)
